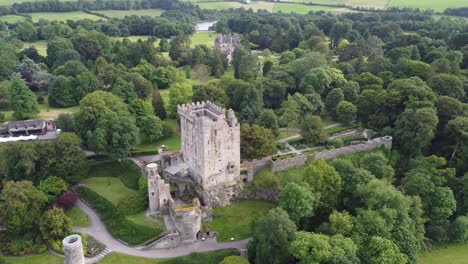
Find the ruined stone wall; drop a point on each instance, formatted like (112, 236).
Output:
(159, 192)
(187, 220)
(369, 145)
(287, 163)
(170, 239)
(222, 195)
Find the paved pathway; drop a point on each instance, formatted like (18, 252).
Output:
(98, 230)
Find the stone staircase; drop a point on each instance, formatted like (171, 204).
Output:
(98, 257)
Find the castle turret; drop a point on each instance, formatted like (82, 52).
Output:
(158, 191)
(73, 250)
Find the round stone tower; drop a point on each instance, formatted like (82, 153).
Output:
(153, 190)
(73, 249)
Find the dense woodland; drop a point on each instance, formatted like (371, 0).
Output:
(402, 73)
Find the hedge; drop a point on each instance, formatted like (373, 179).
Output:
(115, 221)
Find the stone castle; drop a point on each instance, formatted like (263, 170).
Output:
(227, 44)
(206, 171)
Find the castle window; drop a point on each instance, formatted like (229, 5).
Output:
(152, 193)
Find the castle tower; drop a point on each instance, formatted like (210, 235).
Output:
(158, 191)
(73, 249)
(210, 144)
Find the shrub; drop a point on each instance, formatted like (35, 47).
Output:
(132, 204)
(115, 221)
(40, 99)
(27, 244)
(167, 130)
(67, 200)
(335, 143)
(2, 117)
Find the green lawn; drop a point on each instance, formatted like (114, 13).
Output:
(213, 257)
(454, 254)
(12, 18)
(298, 8)
(46, 112)
(110, 188)
(203, 38)
(355, 3)
(437, 5)
(38, 259)
(11, 2)
(226, 5)
(124, 13)
(126, 171)
(63, 16)
(235, 220)
(148, 221)
(78, 217)
(286, 133)
(40, 45)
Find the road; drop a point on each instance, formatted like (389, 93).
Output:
(98, 230)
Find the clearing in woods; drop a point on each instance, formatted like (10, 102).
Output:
(124, 13)
(63, 16)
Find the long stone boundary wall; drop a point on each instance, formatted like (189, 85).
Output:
(284, 164)
(369, 145)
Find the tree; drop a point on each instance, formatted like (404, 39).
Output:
(234, 260)
(179, 93)
(66, 200)
(22, 100)
(66, 122)
(152, 127)
(351, 91)
(268, 119)
(377, 164)
(414, 130)
(381, 250)
(53, 186)
(318, 248)
(256, 141)
(124, 89)
(210, 92)
(290, 109)
(26, 31)
(201, 73)
(459, 230)
(313, 130)
(333, 99)
(317, 80)
(272, 235)
(341, 222)
(105, 125)
(179, 48)
(457, 129)
(324, 181)
(55, 225)
(447, 84)
(245, 64)
(274, 93)
(140, 109)
(298, 200)
(61, 92)
(158, 104)
(73, 165)
(21, 205)
(346, 112)
(84, 84)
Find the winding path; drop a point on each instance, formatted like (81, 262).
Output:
(98, 230)
(283, 140)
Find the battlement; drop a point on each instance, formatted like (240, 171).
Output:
(201, 109)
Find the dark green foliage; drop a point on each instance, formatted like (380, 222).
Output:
(132, 204)
(210, 92)
(158, 104)
(256, 141)
(115, 221)
(55, 225)
(53, 187)
(346, 112)
(313, 130)
(61, 92)
(22, 100)
(66, 122)
(333, 99)
(245, 64)
(268, 119)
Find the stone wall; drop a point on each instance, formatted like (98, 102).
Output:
(287, 163)
(170, 239)
(271, 194)
(369, 145)
(222, 195)
(187, 220)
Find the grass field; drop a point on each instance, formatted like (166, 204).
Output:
(437, 5)
(203, 38)
(78, 217)
(41, 46)
(148, 221)
(124, 13)
(454, 254)
(110, 188)
(234, 221)
(63, 16)
(38, 259)
(355, 3)
(213, 257)
(298, 8)
(226, 5)
(12, 18)
(11, 2)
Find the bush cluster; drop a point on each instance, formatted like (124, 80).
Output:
(115, 221)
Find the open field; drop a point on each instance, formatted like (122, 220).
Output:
(453, 254)
(298, 8)
(40, 45)
(12, 18)
(63, 16)
(213, 257)
(124, 13)
(226, 5)
(46, 112)
(11, 2)
(78, 217)
(38, 259)
(355, 3)
(148, 221)
(437, 5)
(235, 220)
(203, 38)
(110, 188)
